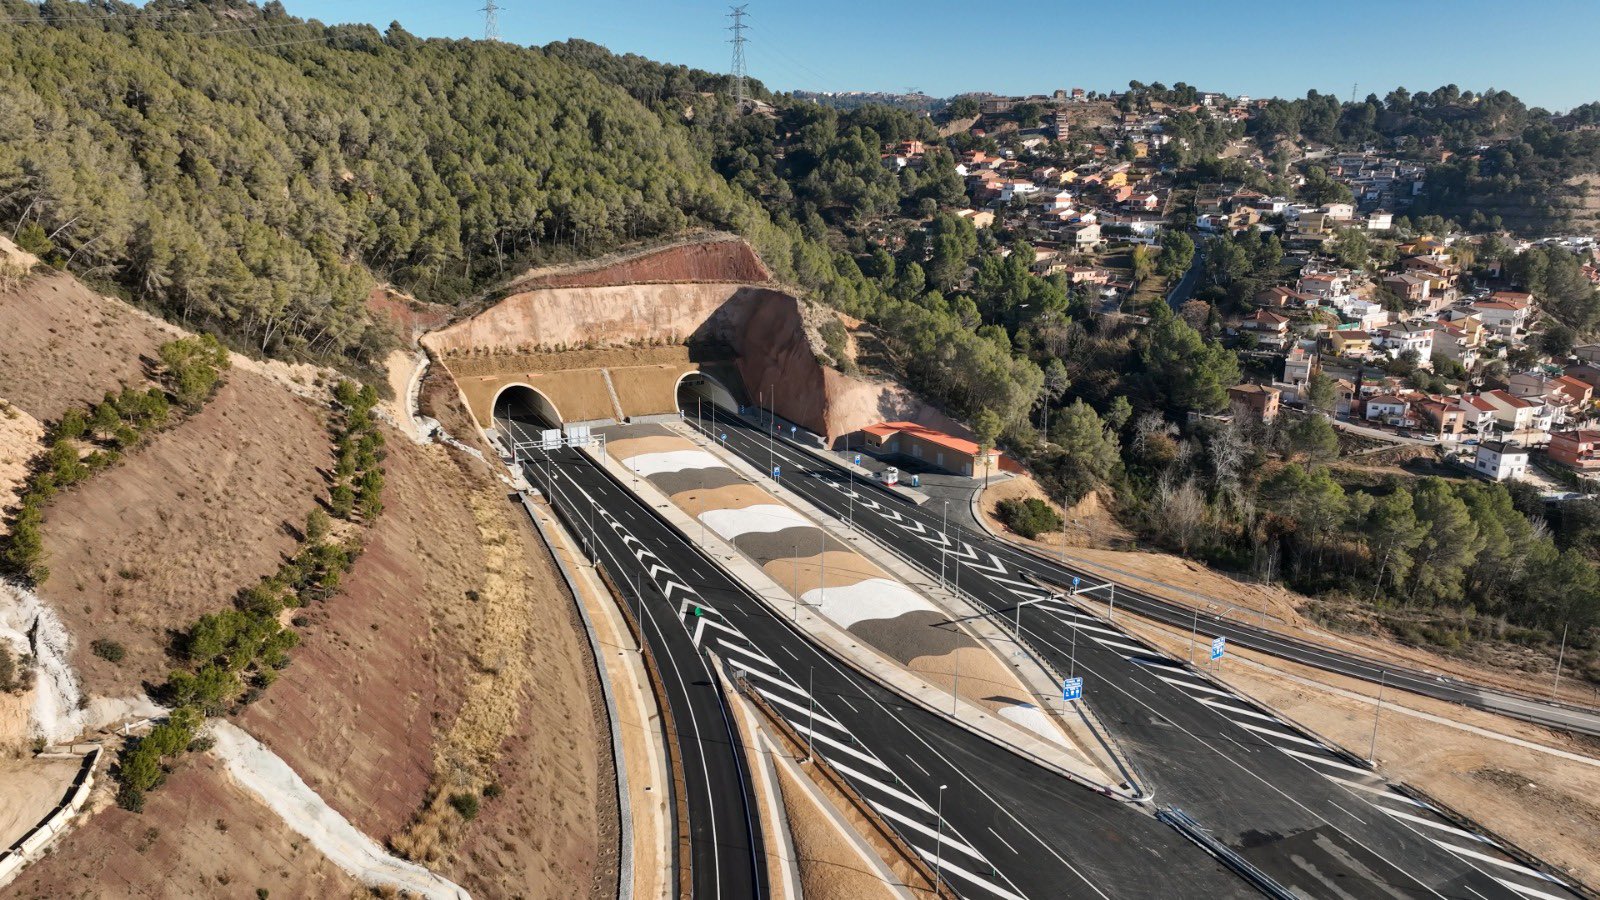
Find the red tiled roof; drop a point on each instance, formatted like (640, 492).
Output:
(888, 429)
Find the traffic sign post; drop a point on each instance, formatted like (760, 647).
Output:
(777, 472)
(1218, 647)
(1072, 688)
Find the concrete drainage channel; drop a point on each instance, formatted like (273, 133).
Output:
(33, 843)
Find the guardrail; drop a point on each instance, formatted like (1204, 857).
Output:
(683, 862)
(1091, 719)
(624, 806)
(16, 856)
(884, 830)
(1189, 828)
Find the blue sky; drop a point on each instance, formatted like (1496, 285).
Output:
(1544, 51)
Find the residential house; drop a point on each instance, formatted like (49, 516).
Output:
(1390, 408)
(1340, 212)
(1269, 327)
(1500, 461)
(1351, 343)
(1299, 364)
(1380, 220)
(1589, 353)
(980, 218)
(1410, 288)
(1578, 450)
(1284, 298)
(1322, 285)
(1588, 373)
(1505, 317)
(1444, 417)
(1016, 187)
(1083, 237)
(1517, 416)
(1454, 342)
(1259, 401)
(1399, 339)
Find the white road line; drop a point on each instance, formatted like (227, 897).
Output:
(1515, 867)
(1192, 686)
(1280, 734)
(842, 748)
(1382, 792)
(790, 652)
(1528, 891)
(914, 762)
(852, 706)
(984, 883)
(1003, 841)
(1238, 710)
(801, 710)
(1312, 757)
(1143, 651)
(896, 793)
(914, 825)
(1431, 823)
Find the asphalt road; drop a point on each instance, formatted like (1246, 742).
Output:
(1009, 828)
(725, 839)
(1310, 817)
(1186, 286)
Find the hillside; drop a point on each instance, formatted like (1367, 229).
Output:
(412, 677)
(252, 173)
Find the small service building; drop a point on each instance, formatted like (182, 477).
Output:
(933, 448)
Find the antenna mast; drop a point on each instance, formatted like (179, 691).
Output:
(738, 41)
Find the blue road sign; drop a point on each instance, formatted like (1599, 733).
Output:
(777, 471)
(858, 459)
(792, 429)
(1074, 584)
(724, 437)
(1218, 646)
(1072, 688)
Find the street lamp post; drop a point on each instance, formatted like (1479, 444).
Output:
(938, 849)
(1560, 657)
(1372, 749)
(944, 532)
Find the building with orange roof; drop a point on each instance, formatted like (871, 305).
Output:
(931, 447)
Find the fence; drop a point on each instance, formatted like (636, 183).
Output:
(18, 854)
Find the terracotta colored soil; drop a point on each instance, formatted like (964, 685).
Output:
(20, 441)
(831, 867)
(707, 260)
(66, 345)
(199, 836)
(202, 510)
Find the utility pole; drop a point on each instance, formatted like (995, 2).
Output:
(938, 849)
(491, 21)
(1372, 749)
(738, 40)
(1561, 656)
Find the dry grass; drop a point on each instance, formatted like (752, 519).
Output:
(465, 756)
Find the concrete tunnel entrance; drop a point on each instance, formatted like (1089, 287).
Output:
(524, 408)
(698, 386)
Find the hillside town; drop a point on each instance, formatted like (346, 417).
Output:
(1390, 326)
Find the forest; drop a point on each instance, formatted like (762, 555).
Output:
(251, 174)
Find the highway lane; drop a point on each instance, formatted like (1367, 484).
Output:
(1299, 811)
(1010, 827)
(725, 840)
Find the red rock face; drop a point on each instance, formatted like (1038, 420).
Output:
(709, 261)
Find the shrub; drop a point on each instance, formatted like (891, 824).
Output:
(1029, 518)
(465, 804)
(194, 367)
(108, 650)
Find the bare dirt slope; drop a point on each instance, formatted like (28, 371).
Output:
(199, 836)
(427, 662)
(20, 441)
(65, 345)
(204, 509)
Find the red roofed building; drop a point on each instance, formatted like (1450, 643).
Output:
(931, 447)
(1578, 450)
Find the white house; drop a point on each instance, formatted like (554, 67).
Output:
(1499, 461)
(1397, 339)
(1517, 415)
(1379, 220)
(1388, 408)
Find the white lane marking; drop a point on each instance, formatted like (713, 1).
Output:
(1528, 891)
(852, 706)
(1382, 792)
(1258, 729)
(1312, 757)
(751, 652)
(821, 738)
(790, 652)
(1238, 710)
(1143, 651)
(984, 883)
(896, 793)
(914, 825)
(1435, 824)
(800, 710)
(1515, 867)
(1192, 686)
(914, 762)
(1003, 841)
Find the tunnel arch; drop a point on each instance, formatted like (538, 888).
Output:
(696, 382)
(533, 400)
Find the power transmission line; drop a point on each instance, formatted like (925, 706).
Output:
(491, 21)
(738, 42)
